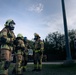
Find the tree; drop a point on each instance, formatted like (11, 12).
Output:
(54, 46)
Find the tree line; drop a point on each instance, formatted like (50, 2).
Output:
(54, 44)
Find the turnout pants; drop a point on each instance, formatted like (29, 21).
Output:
(4, 61)
(18, 65)
(37, 61)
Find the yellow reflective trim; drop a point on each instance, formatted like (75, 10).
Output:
(37, 51)
(40, 66)
(5, 46)
(4, 33)
(21, 67)
(8, 40)
(18, 65)
(41, 42)
(25, 67)
(42, 48)
(2, 64)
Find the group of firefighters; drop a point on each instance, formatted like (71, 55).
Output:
(19, 46)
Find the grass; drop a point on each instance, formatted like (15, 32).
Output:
(50, 70)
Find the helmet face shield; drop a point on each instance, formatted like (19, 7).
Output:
(36, 37)
(11, 26)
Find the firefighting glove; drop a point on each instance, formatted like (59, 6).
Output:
(7, 64)
(3, 40)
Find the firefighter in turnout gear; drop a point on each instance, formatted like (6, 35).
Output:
(25, 55)
(38, 53)
(19, 49)
(6, 46)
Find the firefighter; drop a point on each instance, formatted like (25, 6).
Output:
(19, 49)
(25, 54)
(75, 45)
(7, 37)
(38, 53)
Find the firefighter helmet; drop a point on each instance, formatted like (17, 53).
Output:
(20, 36)
(36, 35)
(9, 21)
